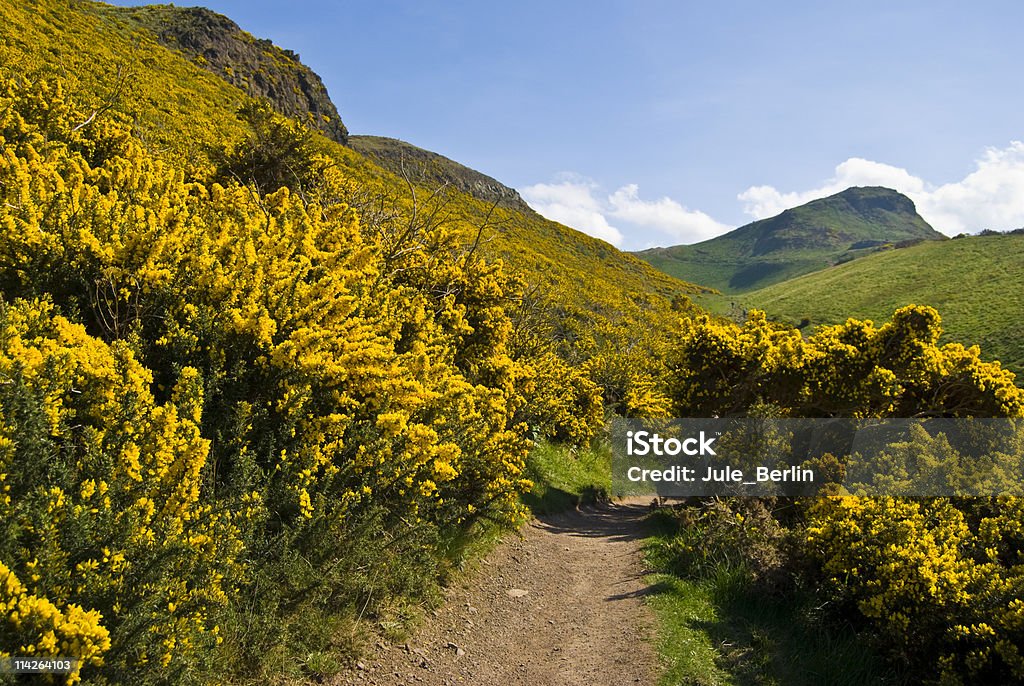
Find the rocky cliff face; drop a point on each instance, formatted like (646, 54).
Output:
(257, 66)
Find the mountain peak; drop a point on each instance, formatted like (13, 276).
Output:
(803, 239)
(869, 200)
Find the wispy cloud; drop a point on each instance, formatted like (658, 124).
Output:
(992, 196)
(579, 202)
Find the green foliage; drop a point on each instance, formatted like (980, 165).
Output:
(564, 477)
(276, 152)
(737, 536)
(724, 618)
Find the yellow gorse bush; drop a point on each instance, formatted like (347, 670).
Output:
(851, 370)
(50, 631)
(202, 385)
(942, 579)
(102, 503)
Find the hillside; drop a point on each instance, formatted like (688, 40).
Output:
(262, 395)
(185, 106)
(819, 234)
(265, 397)
(974, 282)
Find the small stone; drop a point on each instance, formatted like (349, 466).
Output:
(516, 593)
(360, 666)
(459, 652)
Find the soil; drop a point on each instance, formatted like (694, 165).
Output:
(560, 605)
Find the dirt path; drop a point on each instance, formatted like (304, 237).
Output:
(563, 606)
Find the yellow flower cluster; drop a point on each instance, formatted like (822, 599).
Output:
(852, 369)
(202, 382)
(941, 580)
(46, 631)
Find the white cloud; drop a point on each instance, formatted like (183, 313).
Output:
(665, 215)
(579, 202)
(992, 196)
(572, 202)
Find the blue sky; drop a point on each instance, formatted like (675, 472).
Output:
(656, 123)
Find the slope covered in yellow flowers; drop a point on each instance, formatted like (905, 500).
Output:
(245, 370)
(183, 114)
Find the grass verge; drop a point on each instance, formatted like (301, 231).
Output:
(566, 477)
(716, 627)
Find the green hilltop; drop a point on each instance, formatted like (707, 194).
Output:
(819, 234)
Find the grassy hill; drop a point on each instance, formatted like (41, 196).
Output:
(824, 232)
(974, 282)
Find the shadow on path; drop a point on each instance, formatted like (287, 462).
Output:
(613, 521)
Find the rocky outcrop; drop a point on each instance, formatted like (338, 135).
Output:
(255, 65)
